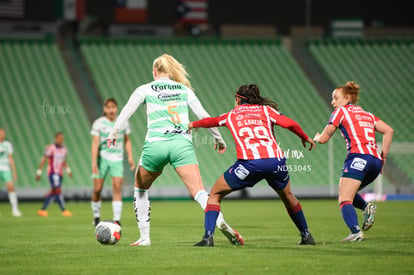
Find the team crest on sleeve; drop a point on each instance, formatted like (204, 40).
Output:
(358, 164)
(241, 172)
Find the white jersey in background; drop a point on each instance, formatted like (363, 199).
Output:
(6, 149)
(167, 105)
(101, 128)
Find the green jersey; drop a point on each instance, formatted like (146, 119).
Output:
(6, 149)
(167, 108)
(101, 128)
(167, 104)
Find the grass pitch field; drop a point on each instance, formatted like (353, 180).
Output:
(62, 245)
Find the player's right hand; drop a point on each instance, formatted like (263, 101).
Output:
(190, 127)
(112, 137)
(220, 146)
(310, 141)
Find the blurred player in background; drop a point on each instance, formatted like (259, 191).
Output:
(8, 172)
(258, 157)
(363, 162)
(56, 155)
(109, 160)
(168, 140)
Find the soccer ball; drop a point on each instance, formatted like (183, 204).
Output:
(108, 232)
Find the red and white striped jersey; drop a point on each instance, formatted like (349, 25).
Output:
(358, 129)
(57, 158)
(252, 130)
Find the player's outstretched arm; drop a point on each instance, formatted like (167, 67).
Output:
(326, 134)
(135, 100)
(310, 141)
(294, 127)
(202, 114)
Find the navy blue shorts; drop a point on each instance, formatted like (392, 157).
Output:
(246, 173)
(55, 181)
(365, 168)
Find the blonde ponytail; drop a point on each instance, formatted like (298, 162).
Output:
(168, 64)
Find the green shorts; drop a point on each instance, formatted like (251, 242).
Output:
(177, 152)
(6, 176)
(115, 169)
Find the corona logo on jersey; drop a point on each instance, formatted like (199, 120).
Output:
(162, 86)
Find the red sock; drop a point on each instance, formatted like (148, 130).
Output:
(212, 207)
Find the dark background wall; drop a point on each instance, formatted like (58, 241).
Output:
(282, 14)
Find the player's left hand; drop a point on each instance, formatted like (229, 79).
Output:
(310, 141)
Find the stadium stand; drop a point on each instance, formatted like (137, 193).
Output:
(217, 68)
(37, 100)
(384, 69)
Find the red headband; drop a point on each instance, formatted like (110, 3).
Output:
(241, 96)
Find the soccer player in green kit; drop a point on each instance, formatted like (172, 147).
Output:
(109, 160)
(8, 171)
(168, 99)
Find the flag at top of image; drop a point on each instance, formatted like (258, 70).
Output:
(131, 11)
(192, 11)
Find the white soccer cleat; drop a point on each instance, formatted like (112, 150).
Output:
(142, 242)
(369, 216)
(232, 235)
(356, 237)
(16, 213)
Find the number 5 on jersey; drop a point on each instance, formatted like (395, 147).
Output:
(175, 116)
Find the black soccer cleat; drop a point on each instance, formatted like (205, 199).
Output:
(118, 222)
(96, 221)
(306, 239)
(206, 242)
